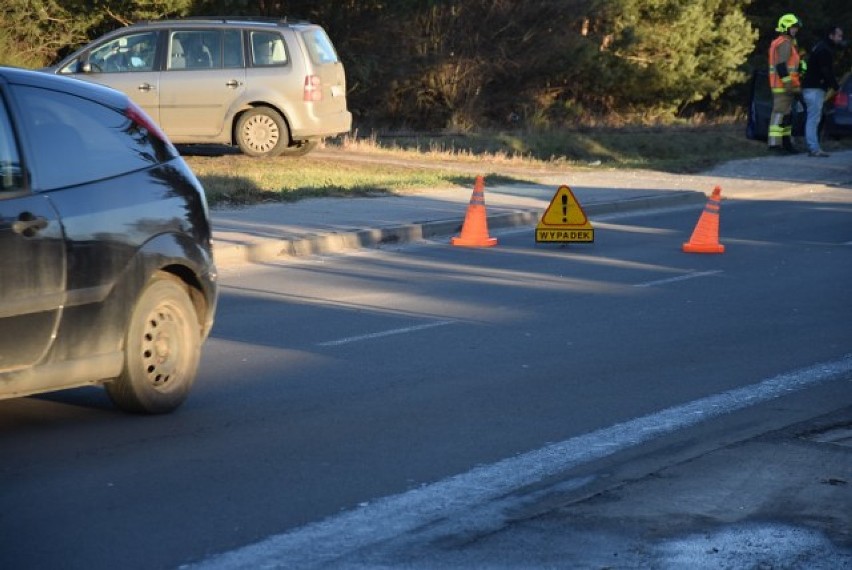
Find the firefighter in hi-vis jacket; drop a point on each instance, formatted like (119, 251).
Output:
(785, 83)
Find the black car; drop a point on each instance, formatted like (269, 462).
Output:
(838, 111)
(106, 268)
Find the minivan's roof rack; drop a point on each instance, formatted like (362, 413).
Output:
(231, 19)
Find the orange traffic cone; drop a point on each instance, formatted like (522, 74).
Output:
(705, 237)
(474, 231)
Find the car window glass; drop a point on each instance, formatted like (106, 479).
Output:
(210, 42)
(267, 48)
(76, 140)
(195, 49)
(233, 52)
(132, 52)
(177, 56)
(11, 173)
(320, 48)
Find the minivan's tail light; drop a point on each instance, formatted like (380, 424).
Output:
(841, 100)
(313, 88)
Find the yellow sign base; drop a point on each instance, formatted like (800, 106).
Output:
(562, 236)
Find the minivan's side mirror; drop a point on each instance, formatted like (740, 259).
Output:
(86, 66)
(73, 66)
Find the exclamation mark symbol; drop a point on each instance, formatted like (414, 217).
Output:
(564, 208)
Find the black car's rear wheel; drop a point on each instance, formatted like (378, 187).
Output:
(262, 132)
(162, 350)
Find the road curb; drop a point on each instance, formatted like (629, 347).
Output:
(337, 242)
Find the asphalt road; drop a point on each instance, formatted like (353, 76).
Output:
(332, 382)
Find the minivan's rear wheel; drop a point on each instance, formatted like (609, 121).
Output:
(262, 132)
(162, 350)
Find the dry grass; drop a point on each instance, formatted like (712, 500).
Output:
(381, 164)
(231, 179)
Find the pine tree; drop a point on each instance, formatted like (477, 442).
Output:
(665, 54)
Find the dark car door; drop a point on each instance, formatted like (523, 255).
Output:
(760, 109)
(32, 259)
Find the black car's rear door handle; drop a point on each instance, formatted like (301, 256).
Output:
(29, 225)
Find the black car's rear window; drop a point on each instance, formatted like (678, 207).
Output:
(11, 173)
(76, 140)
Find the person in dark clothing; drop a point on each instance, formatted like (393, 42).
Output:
(818, 79)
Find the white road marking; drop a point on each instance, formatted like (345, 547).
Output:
(678, 278)
(369, 336)
(383, 519)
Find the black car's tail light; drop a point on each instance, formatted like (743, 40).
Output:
(138, 116)
(165, 149)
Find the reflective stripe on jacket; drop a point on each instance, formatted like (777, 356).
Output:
(777, 82)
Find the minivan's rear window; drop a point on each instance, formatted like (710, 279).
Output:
(320, 48)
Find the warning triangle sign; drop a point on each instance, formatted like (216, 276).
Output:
(564, 220)
(564, 210)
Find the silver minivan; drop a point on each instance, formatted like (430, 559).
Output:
(270, 87)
